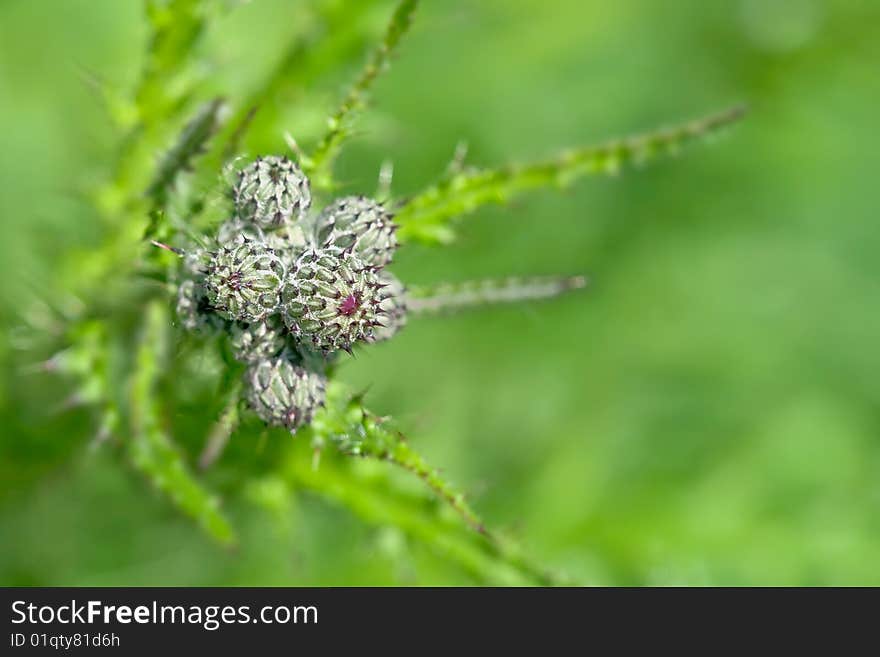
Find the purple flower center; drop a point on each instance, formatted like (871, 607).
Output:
(349, 304)
(234, 280)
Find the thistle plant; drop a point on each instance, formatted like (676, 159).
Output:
(275, 279)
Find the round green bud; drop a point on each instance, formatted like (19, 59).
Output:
(331, 300)
(393, 306)
(196, 262)
(193, 309)
(358, 224)
(288, 242)
(256, 341)
(243, 281)
(283, 393)
(272, 192)
(235, 231)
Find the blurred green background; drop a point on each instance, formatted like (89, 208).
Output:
(708, 412)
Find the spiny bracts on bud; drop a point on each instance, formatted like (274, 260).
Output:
(361, 225)
(392, 305)
(282, 393)
(193, 308)
(257, 341)
(331, 300)
(196, 263)
(288, 242)
(272, 192)
(243, 281)
(235, 231)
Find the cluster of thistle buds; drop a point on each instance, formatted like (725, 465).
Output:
(291, 288)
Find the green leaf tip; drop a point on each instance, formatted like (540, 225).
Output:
(190, 144)
(151, 448)
(354, 431)
(318, 165)
(176, 27)
(428, 216)
(451, 297)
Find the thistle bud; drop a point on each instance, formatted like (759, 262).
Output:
(288, 242)
(194, 310)
(196, 262)
(358, 224)
(283, 393)
(235, 231)
(331, 300)
(257, 341)
(243, 281)
(272, 192)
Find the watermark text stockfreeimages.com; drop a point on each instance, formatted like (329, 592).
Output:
(210, 617)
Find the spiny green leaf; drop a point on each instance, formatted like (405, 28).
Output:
(176, 27)
(115, 104)
(373, 502)
(346, 425)
(86, 360)
(162, 93)
(428, 216)
(223, 428)
(151, 448)
(336, 37)
(449, 297)
(339, 125)
(354, 431)
(191, 143)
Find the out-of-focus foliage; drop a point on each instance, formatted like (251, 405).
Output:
(706, 413)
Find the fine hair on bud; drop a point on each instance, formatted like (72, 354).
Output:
(194, 310)
(288, 241)
(235, 231)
